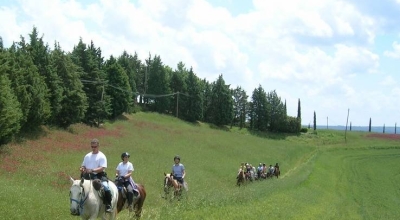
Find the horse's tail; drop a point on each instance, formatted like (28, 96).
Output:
(140, 202)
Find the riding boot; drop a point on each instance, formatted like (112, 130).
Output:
(130, 198)
(108, 198)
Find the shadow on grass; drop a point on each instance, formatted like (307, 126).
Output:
(222, 128)
(272, 135)
(33, 134)
(119, 118)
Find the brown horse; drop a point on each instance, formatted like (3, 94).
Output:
(170, 183)
(240, 178)
(276, 173)
(137, 202)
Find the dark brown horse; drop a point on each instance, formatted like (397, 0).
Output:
(137, 202)
(240, 178)
(170, 183)
(276, 172)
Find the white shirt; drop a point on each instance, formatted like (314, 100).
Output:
(93, 161)
(124, 168)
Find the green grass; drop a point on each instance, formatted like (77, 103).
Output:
(322, 176)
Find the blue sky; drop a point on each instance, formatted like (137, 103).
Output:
(332, 55)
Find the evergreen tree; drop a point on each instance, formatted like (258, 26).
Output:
(131, 65)
(315, 121)
(206, 90)
(158, 85)
(369, 127)
(10, 110)
(276, 111)
(30, 88)
(259, 110)
(193, 105)
(118, 88)
(239, 106)
(90, 63)
(299, 111)
(221, 103)
(40, 54)
(74, 102)
(178, 84)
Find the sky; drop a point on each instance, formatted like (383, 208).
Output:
(335, 56)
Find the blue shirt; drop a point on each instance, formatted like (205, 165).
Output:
(177, 169)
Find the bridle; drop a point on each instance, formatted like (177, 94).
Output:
(167, 183)
(83, 197)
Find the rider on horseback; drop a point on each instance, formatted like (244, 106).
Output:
(124, 173)
(178, 171)
(93, 167)
(271, 169)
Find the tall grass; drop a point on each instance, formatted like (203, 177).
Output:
(323, 177)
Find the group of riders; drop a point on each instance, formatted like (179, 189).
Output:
(94, 165)
(250, 172)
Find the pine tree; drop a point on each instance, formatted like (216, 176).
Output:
(90, 63)
(131, 65)
(193, 104)
(259, 110)
(10, 110)
(40, 54)
(158, 85)
(178, 84)
(239, 106)
(118, 88)
(206, 90)
(29, 87)
(276, 111)
(221, 103)
(74, 102)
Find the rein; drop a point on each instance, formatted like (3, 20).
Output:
(81, 202)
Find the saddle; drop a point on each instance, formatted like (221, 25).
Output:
(123, 189)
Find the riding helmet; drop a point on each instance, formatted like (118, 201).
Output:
(177, 157)
(125, 154)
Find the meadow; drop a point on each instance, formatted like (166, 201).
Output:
(322, 176)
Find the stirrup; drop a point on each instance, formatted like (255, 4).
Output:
(108, 208)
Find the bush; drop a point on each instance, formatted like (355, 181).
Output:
(304, 130)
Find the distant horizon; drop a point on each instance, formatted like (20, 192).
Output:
(375, 129)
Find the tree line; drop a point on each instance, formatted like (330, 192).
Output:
(43, 86)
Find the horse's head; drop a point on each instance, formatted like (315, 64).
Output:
(76, 193)
(167, 182)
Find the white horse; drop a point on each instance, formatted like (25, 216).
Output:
(85, 200)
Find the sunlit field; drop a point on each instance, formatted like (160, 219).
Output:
(322, 176)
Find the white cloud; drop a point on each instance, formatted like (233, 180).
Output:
(396, 51)
(319, 51)
(388, 81)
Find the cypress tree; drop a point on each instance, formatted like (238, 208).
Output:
(315, 121)
(369, 126)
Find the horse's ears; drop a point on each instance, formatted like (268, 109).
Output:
(165, 174)
(72, 179)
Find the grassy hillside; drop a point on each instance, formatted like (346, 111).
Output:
(322, 176)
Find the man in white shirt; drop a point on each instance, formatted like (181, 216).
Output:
(93, 167)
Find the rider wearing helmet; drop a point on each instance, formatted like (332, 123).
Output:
(178, 170)
(124, 173)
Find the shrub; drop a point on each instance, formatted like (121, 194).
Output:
(304, 130)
